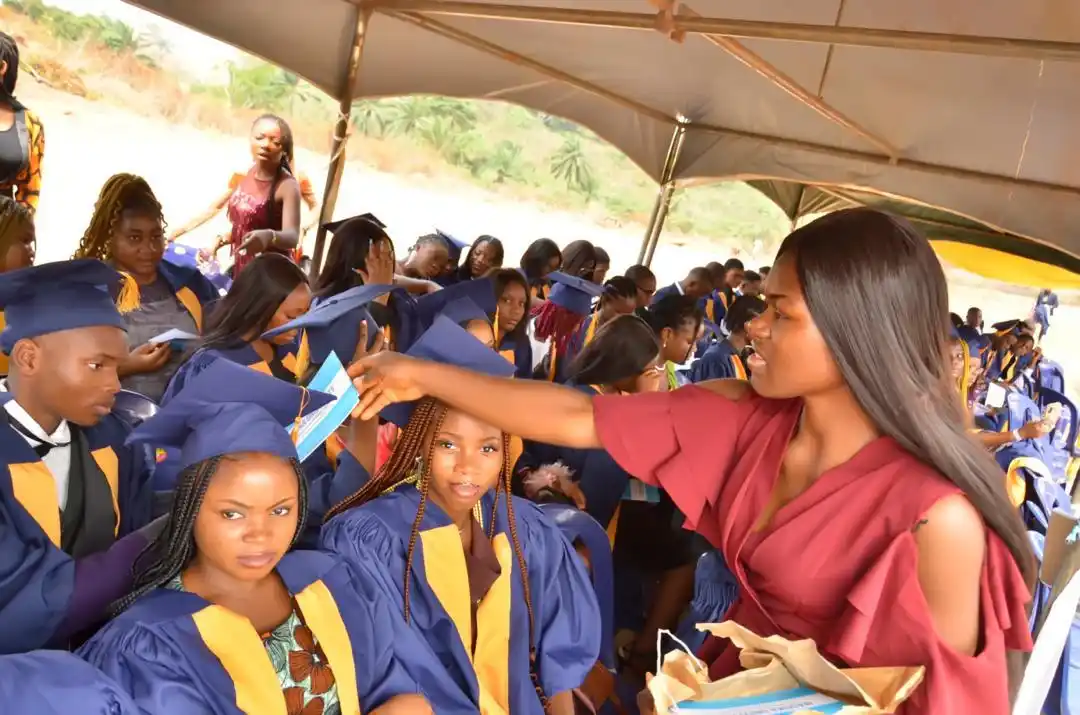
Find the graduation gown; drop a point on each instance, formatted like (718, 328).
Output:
(47, 592)
(242, 355)
(495, 680)
(192, 289)
(59, 683)
(720, 361)
(519, 352)
(176, 653)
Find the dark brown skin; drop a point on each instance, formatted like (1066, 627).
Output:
(68, 375)
(21, 251)
(511, 307)
(427, 262)
(484, 259)
(137, 245)
(296, 304)
(792, 360)
(646, 288)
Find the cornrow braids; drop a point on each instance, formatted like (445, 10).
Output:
(121, 192)
(14, 218)
(425, 422)
(171, 551)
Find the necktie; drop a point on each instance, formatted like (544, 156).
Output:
(40, 447)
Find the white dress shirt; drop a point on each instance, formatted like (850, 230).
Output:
(58, 460)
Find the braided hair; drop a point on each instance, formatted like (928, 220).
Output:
(288, 157)
(171, 551)
(14, 218)
(122, 192)
(9, 52)
(416, 446)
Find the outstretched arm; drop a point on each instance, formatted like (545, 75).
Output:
(534, 410)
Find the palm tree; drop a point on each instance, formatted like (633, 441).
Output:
(570, 164)
(504, 161)
(369, 117)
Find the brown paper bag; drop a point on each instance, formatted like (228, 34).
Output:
(774, 665)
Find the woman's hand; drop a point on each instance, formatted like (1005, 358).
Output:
(256, 242)
(382, 380)
(1035, 429)
(379, 266)
(145, 358)
(362, 350)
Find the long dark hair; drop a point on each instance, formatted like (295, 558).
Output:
(348, 253)
(501, 279)
(577, 257)
(9, 52)
(874, 287)
(251, 302)
(464, 271)
(537, 258)
(171, 551)
(621, 350)
(398, 471)
(287, 146)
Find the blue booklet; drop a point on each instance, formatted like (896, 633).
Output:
(784, 702)
(316, 427)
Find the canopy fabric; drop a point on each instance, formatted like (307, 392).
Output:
(851, 96)
(1005, 267)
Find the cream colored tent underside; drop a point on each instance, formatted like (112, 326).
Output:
(959, 118)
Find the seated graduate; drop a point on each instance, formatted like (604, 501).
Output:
(488, 581)
(559, 320)
(539, 260)
(71, 493)
(50, 682)
(645, 281)
(484, 255)
(18, 242)
(222, 618)
(127, 231)
(697, 284)
(677, 322)
(511, 328)
(271, 291)
(618, 297)
(724, 359)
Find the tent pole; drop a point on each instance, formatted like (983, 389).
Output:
(663, 196)
(341, 132)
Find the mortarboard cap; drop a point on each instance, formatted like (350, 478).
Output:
(463, 310)
(228, 409)
(334, 324)
(480, 291)
(58, 296)
(333, 226)
(573, 293)
(450, 344)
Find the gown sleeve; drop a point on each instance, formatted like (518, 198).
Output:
(148, 668)
(328, 486)
(59, 683)
(568, 621)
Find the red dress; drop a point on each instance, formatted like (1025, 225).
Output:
(252, 207)
(838, 563)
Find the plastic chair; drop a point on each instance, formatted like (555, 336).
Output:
(1051, 376)
(576, 525)
(1062, 440)
(1043, 493)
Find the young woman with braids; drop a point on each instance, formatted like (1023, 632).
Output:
(22, 137)
(18, 243)
(127, 231)
(264, 204)
(221, 619)
(840, 483)
(484, 578)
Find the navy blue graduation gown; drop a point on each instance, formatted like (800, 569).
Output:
(374, 538)
(720, 361)
(176, 653)
(193, 290)
(672, 289)
(58, 683)
(519, 352)
(45, 594)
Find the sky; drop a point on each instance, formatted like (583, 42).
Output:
(202, 56)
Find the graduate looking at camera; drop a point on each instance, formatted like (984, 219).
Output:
(222, 619)
(72, 495)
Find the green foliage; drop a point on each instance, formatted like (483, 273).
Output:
(570, 164)
(73, 27)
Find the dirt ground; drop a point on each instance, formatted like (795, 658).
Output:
(88, 141)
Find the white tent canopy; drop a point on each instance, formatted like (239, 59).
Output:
(966, 105)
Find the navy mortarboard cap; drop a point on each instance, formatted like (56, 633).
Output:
(456, 245)
(448, 343)
(463, 310)
(58, 296)
(573, 293)
(332, 226)
(334, 324)
(228, 409)
(480, 291)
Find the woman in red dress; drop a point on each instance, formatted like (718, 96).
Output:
(263, 204)
(839, 484)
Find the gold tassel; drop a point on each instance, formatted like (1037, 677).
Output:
(295, 432)
(498, 337)
(128, 299)
(303, 356)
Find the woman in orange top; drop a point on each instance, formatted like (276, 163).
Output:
(22, 137)
(839, 484)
